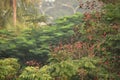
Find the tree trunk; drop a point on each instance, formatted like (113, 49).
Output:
(14, 12)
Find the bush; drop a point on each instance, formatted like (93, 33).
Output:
(34, 73)
(9, 68)
(34, 43)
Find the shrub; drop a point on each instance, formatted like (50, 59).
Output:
(9, 68)
(34, 73)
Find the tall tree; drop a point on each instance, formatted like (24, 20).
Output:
(9, 8)
(14, 12)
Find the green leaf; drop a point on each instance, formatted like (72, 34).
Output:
(89, 65)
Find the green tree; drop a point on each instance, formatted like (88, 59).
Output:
(10, 8)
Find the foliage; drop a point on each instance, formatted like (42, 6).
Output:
(112, 12)
(79, 47)
(75, 50)
(34, 73)
(8, 68)
(34, 43)
(105, 41)
(5, 12)
(67, 69)
(75, 19)
(113, 48)
(27, 11)
(110, 1)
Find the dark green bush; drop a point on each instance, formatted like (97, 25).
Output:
(34, 43)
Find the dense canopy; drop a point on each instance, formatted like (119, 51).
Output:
(59, 40)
